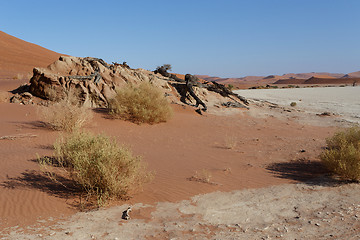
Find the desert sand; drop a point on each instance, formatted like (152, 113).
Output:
(18, 57)
(265, 179)
(270, 184)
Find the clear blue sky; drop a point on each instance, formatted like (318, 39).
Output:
(226, 38)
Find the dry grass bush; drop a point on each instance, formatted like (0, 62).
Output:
(342, 155)
(141, 104)
(203, 176)
(4, 96)
(231, 141)
(99, 165)
(66, 115)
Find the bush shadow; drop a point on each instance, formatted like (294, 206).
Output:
(306, 171)
(62, 188)
(33, 125)
(104, 112)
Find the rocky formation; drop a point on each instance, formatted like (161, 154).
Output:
(95, 82)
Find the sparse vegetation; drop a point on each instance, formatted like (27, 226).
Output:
(4, 96)
(203, 176)
(293, 104)
(230, 141)
(230, 87)
(167, 67)
(342, 155)
(141, 104)
(18, 76)
(51, 94)
(65, 115)
(101, 167)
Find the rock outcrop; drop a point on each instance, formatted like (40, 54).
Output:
(95, 82)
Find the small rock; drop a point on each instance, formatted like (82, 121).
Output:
(317, 224)
(324, 114)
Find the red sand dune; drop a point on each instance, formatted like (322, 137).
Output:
(352, 75)
(290, 81)
(316, 80)
(20, 57)
(286, 79)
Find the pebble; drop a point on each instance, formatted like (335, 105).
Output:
(317, 224)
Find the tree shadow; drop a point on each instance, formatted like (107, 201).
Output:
(304, 170)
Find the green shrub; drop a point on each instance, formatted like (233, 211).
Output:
(293, 104)
(99, 165)
(342, 155)
(141, 104)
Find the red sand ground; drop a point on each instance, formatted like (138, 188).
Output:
(174, 150)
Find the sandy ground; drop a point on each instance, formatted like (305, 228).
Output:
(254, 157)
(321, 209)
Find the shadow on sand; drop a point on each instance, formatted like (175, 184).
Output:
(32, 125)
(304, 170)
(62, 188)
(57, 185)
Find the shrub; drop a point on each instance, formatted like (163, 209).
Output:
(99, 165)
(342, 155)
(4, 96)
(65, 115)
(167, 67)
(230, 142)
(141, 104)
(293, 104)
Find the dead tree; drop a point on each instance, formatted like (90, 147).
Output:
(224, 91)
(96, 76)
(190, 82)
(162, 70)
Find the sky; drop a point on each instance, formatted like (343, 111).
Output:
(224, 38)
